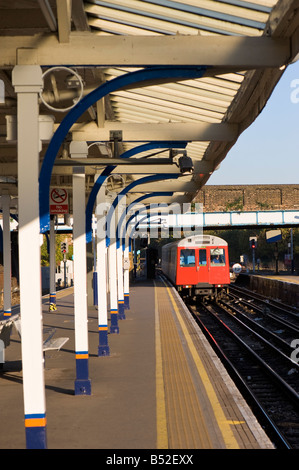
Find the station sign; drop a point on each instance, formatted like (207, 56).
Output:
(273, 236)
(59, 201)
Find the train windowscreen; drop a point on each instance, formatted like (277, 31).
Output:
(187, 258)
(217, 257)
(202, 261)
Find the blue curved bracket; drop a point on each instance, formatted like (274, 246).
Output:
(108, 170)
(138, 78)
(135, 226)
(137, 201)
(13, 216)
(144, 218)
(146, 179)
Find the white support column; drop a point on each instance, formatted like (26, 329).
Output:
(120, 282)
(82, 382)
(103, 349)
(114, 328)
(5, 201)
(118, 213)
(52, 299)
(126, 278)
(27, 80)
(123, 291)
(121, 209)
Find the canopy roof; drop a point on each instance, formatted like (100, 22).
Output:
(240, 50)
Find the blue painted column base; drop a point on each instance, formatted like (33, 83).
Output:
(121, 310)
(7, 313)
(82, 387)
(36, 431)
(36, 438)
(114, 321)
(103, 349)
(52, 305)
(82, 382)
(127, 301)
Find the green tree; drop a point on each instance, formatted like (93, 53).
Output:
(58, 255)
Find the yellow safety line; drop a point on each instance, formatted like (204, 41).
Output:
(162, 434)
(223, 423)
(64, 292)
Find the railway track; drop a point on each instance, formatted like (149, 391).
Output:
(257, 353)
(281, 328)
(262, 301)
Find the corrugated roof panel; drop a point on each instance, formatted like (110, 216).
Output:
(210, 10)
(192, 101)
(174, 111)
(173, 18)
(202, 100)
(205, 100)
(109, 26)
(237, 8)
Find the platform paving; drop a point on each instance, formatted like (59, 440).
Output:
(118, 414)
(121, 413)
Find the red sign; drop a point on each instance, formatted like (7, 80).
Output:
(59, 201)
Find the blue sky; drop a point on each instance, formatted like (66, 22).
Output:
(268, 151)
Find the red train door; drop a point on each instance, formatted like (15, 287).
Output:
(218, 265)
(202, 267)
(187, 267)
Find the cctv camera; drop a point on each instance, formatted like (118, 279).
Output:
(186, 165)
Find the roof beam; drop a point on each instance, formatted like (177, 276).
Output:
(48, 14)
(181, 199)
(137, 166)
(79, 16)
(64, 8)
(200, 167)
(147, 132)
(85, 48)
(180, 185)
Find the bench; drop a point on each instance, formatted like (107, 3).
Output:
(5, 332)
(50, 343)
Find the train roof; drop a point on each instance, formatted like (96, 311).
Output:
(199, 240)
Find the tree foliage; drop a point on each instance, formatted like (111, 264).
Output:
(58, 254)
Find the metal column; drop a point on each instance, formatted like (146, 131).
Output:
(126, 278)
(120, 282)
(52, 265)
(119, 265)
(114, 328)
(5, 201)
(103, 349)
(82, 382)
(27, 80)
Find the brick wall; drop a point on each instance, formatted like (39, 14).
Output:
(249, 197)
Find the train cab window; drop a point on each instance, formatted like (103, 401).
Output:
(217, 257)
(202, 258)
(187, 258)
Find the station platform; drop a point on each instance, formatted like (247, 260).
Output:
(282, 287)
(283, 278)
(161, 387)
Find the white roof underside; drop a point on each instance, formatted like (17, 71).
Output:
(231, 95)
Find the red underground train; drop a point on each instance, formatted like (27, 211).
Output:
(197, 266)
